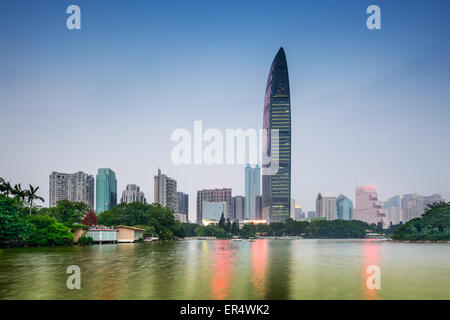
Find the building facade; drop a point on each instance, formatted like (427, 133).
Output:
(414, 205)
(344, 208)
(165, 191)
(214, 195)
(392, 209)
(326, 206)
(106, 190)
(132, 193)
(239, 208)
(368, 208)
(182, 203)
(299, 214)
(213, 211)
(252, 190)
(75, 187)
(276, 183)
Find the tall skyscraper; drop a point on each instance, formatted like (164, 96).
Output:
(344, 208)
(326, 206)
(239, 208)
(252, 190)
(165, 191)
(75, 187)
(258, 207)
(368, 208)
(183, 204)
(214, 195)
(132, 193)
(392, 209)
(106, 190)
(276, 188)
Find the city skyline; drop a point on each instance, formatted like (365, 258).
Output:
(339, 85)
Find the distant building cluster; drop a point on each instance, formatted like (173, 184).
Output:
(267, 189)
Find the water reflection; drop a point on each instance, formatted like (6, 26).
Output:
(221, 268)
(370, 252)
(259, 263)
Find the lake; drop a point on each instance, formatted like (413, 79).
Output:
(224, 269)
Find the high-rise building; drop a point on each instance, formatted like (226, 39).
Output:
(165, 191)
(368, 208)
(276, 186)
(392, 209)
(258, 207)
(106, 190)
(182, 203)
(132, 193)
(326, 206)
(299, 214)
(75, 187)
(414, 205)
(214, 195)
(344, 208)
(239, 208)
(292, 213)
(252, 190)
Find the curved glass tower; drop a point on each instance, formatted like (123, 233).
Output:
(276, 186)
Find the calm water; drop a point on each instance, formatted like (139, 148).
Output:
(222, 269)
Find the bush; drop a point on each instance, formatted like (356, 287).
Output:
(85, 240)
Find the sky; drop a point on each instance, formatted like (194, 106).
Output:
(369, 107)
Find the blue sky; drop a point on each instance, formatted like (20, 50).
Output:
(368, 106)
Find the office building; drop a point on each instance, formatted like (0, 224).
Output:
(106, 190)
(276, 183)
(344, 208)
(368, 208)
(132, 193)
(213, 211)
(392, 209)
(326, 206)
(214, 195)
(239, 208)
(252, 190)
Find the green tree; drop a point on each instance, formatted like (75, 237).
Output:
(235, 228)
(31, 195)
(433, 225)
(222, 222)
(45, 230)
(68, 213)
(13, 228)
(212, 230)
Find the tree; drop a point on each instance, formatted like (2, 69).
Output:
(18, 192)
(13, 228)
(222, 222)
(235, 228)
(46, 230)
(68, 212)
(212, 230)
(433, 225)
(5, 187)
(90, 219)
(228, 226)
(31, 196)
